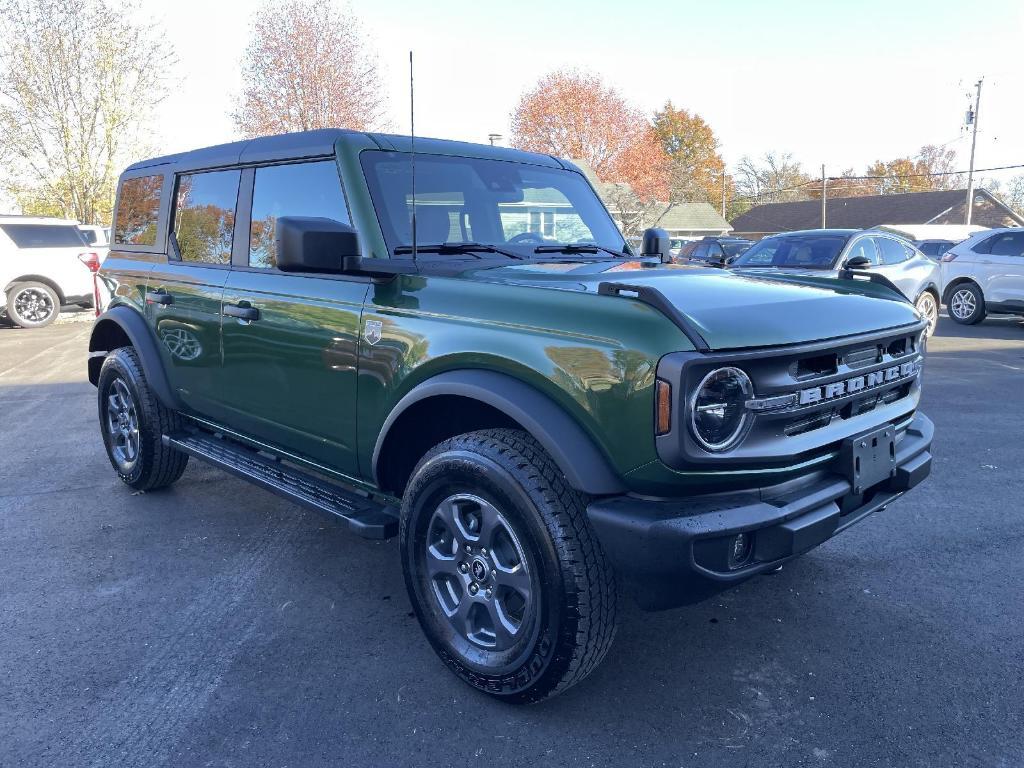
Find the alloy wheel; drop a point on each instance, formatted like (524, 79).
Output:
(122, 424)
(479, 572)
(929, 310)
(33, 305)
(963, 304)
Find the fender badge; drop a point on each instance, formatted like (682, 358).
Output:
(372, 331)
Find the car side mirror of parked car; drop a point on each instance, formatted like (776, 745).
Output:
(314, 244)
(656, 242)
(857, 262)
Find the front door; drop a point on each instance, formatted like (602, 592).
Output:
(183, 297)
(1003, 270)
(290, 366)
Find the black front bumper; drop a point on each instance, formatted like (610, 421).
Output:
(677, 551)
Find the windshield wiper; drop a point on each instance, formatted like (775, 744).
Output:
(470, 248)
(579, 248)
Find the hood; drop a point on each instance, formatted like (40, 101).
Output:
(734, 310)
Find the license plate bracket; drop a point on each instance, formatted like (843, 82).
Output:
(869, 458)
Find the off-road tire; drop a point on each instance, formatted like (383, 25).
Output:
(155, 465)
(573, 618)
(17, 294)
(959, 302)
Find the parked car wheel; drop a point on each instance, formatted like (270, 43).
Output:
(928, 306)
(967, 304)
(133, 422)
(509, 582)
(32, 304)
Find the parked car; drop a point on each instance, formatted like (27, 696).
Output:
(983, 274)
(95, 235)
(44, 265)
(825, 251)
(718, 251)
(933, 249)
(677, 243)
(541, 418)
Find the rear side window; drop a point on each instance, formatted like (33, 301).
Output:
(1010, 244)
(303, 189)
(204, 216)
(44, 235)
(138, 208)
(892, 251)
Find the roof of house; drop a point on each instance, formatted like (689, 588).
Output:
(691, 217)
(855, 212)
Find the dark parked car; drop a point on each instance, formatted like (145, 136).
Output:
(717, 251)
(933, 249)
(538, 414)
(826, 251)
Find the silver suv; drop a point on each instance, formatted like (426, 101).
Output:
(817, 251)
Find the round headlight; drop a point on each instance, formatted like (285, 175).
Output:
(718, 410)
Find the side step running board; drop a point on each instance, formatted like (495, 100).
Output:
(364, 516)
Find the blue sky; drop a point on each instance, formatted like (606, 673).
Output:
(835, 83)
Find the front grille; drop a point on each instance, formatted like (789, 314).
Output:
(807, 398)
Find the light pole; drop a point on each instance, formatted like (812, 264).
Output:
(974, 141)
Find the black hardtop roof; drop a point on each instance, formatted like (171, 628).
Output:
(320, 143)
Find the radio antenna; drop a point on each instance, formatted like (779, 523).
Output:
(412, 157)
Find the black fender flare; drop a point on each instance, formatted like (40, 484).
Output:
(584, 465)
(137, 330)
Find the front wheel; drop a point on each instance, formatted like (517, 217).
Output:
(967, 304)
(508, 581)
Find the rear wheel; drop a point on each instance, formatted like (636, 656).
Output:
(967, 304)
(32, 304)
(928, 307)
(133, 422)
(506, 576)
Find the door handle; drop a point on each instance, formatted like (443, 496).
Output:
(242, 312)
(157, 297)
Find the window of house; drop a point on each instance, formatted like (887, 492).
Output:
(204, 216)
(138, 208)
(300, 189)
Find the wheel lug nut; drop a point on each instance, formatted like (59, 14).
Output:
(463, 567)
(469, 550)
(489, 592)
(483, 552)
(473, 588)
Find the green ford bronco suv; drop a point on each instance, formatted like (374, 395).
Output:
(455, 345)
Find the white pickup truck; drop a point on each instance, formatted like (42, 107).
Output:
(44, 264)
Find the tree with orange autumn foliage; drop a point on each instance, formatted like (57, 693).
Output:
(577, 115)
(696, 170)
(307, 66)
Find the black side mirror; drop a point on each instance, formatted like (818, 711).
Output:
(313, 244)
(857, 262)
(656, 242)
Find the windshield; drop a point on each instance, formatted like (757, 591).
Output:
(513, 206)
(795, 251)
(733, 247)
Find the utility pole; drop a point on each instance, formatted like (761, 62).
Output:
(824, 194)
(974, 140)
(493, 137)
(723, 193)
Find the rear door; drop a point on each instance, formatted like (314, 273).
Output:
(290, 370)
(183, 296)
(1003, 266)
(901, 264)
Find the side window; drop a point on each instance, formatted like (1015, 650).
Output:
(892, 251)
(1010, 244)
(301, 189)
(715, 251)
(138, 208)
(204, 216)
(864, 247)
(700, 252)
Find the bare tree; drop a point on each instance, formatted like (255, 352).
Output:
(79, 80)
(308, 66)
(775, 178)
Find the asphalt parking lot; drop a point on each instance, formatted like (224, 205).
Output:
(215, 624)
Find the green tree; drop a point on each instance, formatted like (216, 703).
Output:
(79, 80)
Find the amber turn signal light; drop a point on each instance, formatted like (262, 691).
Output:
(662, 407)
